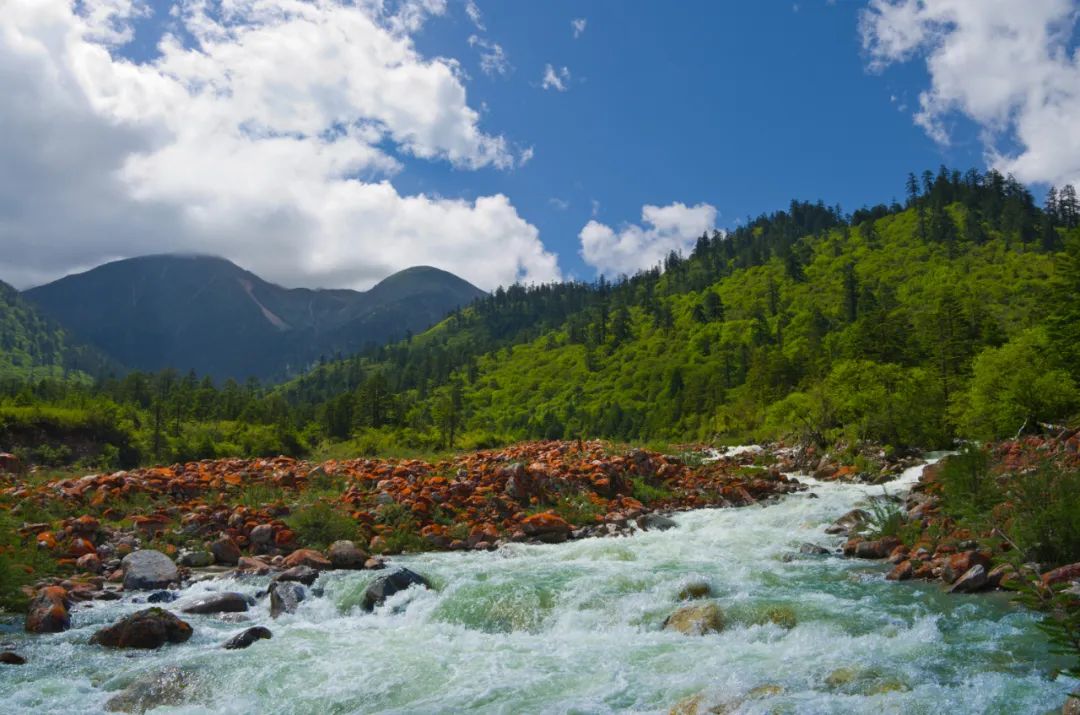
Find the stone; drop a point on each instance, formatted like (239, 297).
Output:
(299, 574)
(388, 584)
(8, 657)
(375, 563)
(285, 597)
(146, 570)
(655, 521)
(813, 550)
(163, 688)
(147, 629)
(547, 527)
(876, 549)
(307, 557)
(1061, 575)
(224, 602)
(973, 580)
(246, 638)
(903, 571)
(1072, 706)
(1000, 576)
(252, 567)
(225, 551)
(695, 589)
(89, 562)
(848, 522)
(196, 559)
(48, 612)
(696, 620)
(162, 597)
(956, 565)
(345, 555)
(262, 535)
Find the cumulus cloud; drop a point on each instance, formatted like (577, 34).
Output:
(664, 229)
(493, 59)
(559, 80)
(577, 25)
(1005, 65)
(269, 134)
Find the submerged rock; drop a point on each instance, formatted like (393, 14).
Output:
(694, 590)
(162, 597)
(246, 638)
(149, 628)
(48, 612)
(225, 602)
(387, 585)
(655, 521)
(809, 549)
(848, 522)
(696, 620)
(298, 574)
(8, 657)
(165, 687)
(146, 570)
(285, 597)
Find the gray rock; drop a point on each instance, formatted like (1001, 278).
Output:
(973, 580)
(7, 657)
(299, 574)
(150, 628)
(285, 597)
(162, 597)
(262, 534)
(246, 638)
(696, 620)
(225, 551)
(224, 602)
(655, 521)
(813, 550)
(165, 687)
(345, 555)
(848, 522)
(388, 584)
(196, 559)
(147, 569)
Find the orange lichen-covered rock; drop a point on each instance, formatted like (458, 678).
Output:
(307, 557)
(547, 526)
(48, 612)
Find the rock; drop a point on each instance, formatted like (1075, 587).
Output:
(547, 527)
(89, 562)
(252, 567)
(246, 638)
(375, 563)
(7, 657)
(695, 589)
(841, 677)
(225, 551)
(1000, 575)
(163, 688)
(655, 521)
(146, 570)
(285, 597)
(48, 612)
(162, 597)
(196, 559)
(813, 550)
(902, 571)
(1072, 706)
(974, 579)
(345, 555)
(307, 557)
(876, 549)
(388, 584)
(956, 565)
(149, 628)
(224, 602)
(848, 522)
(262, 535)
(299, 574)
(1061, 575)
(696, 620)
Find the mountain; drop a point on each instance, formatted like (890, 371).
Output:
(32, 346)
(210, 315)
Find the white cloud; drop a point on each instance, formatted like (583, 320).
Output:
(1003, 64)
(578, 26)
(271, 141)
(558, 80)
(558, 204)
(493, 59)
(473, 11)
(636, 247)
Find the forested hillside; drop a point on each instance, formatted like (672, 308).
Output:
(952, 315)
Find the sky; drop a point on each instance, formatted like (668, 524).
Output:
(329, 143)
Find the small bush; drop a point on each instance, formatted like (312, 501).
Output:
(969, 490)
(1045, 519)
(646, 493)
(319, 525)
(886, 519)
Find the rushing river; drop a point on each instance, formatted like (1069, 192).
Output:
(576, 628)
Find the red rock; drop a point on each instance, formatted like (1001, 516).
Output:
(307, 557)
(958, 564)
(1061, 575)
(225, 551)
(89, 562)
(48, 612)
(902, 572)
(546, 526)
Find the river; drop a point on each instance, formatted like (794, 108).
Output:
(576, 628)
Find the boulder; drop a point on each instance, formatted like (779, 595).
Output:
(848, 522)
(262, 535)
(1000, 576)
(299, 574)
(163, 688)
(146, 570)
(876, 549)
(813, 550)
(252, 567)
(1072, 706)
(224, 602)
(903, 571)
(973, 580)
(956, 565)
(655, 521)
(307, 557)
(225, 551)
(89, 562)
(696, 620)
(48, 612)
(1061, 575)
(345, 555)
(162, 597)
(149, 628)
(695, 589)
(547, 527)
(246, 638)
(8, 657)
(285, 597)
(388, 584)
(196, 559)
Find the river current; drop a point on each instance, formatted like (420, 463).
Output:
(576, 628)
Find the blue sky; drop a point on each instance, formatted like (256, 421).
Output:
(328, 143)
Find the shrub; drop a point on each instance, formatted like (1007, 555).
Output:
(1045, 519)
(886, 519)
(319, 525)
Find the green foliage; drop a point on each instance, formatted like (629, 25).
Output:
(578, 510)
(969, 490)
(320, 524)
(886, 519)
(21, 564)
(1045, 521)
(646, 493)
(1061, 617)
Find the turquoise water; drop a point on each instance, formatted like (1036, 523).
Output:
(576, 628)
